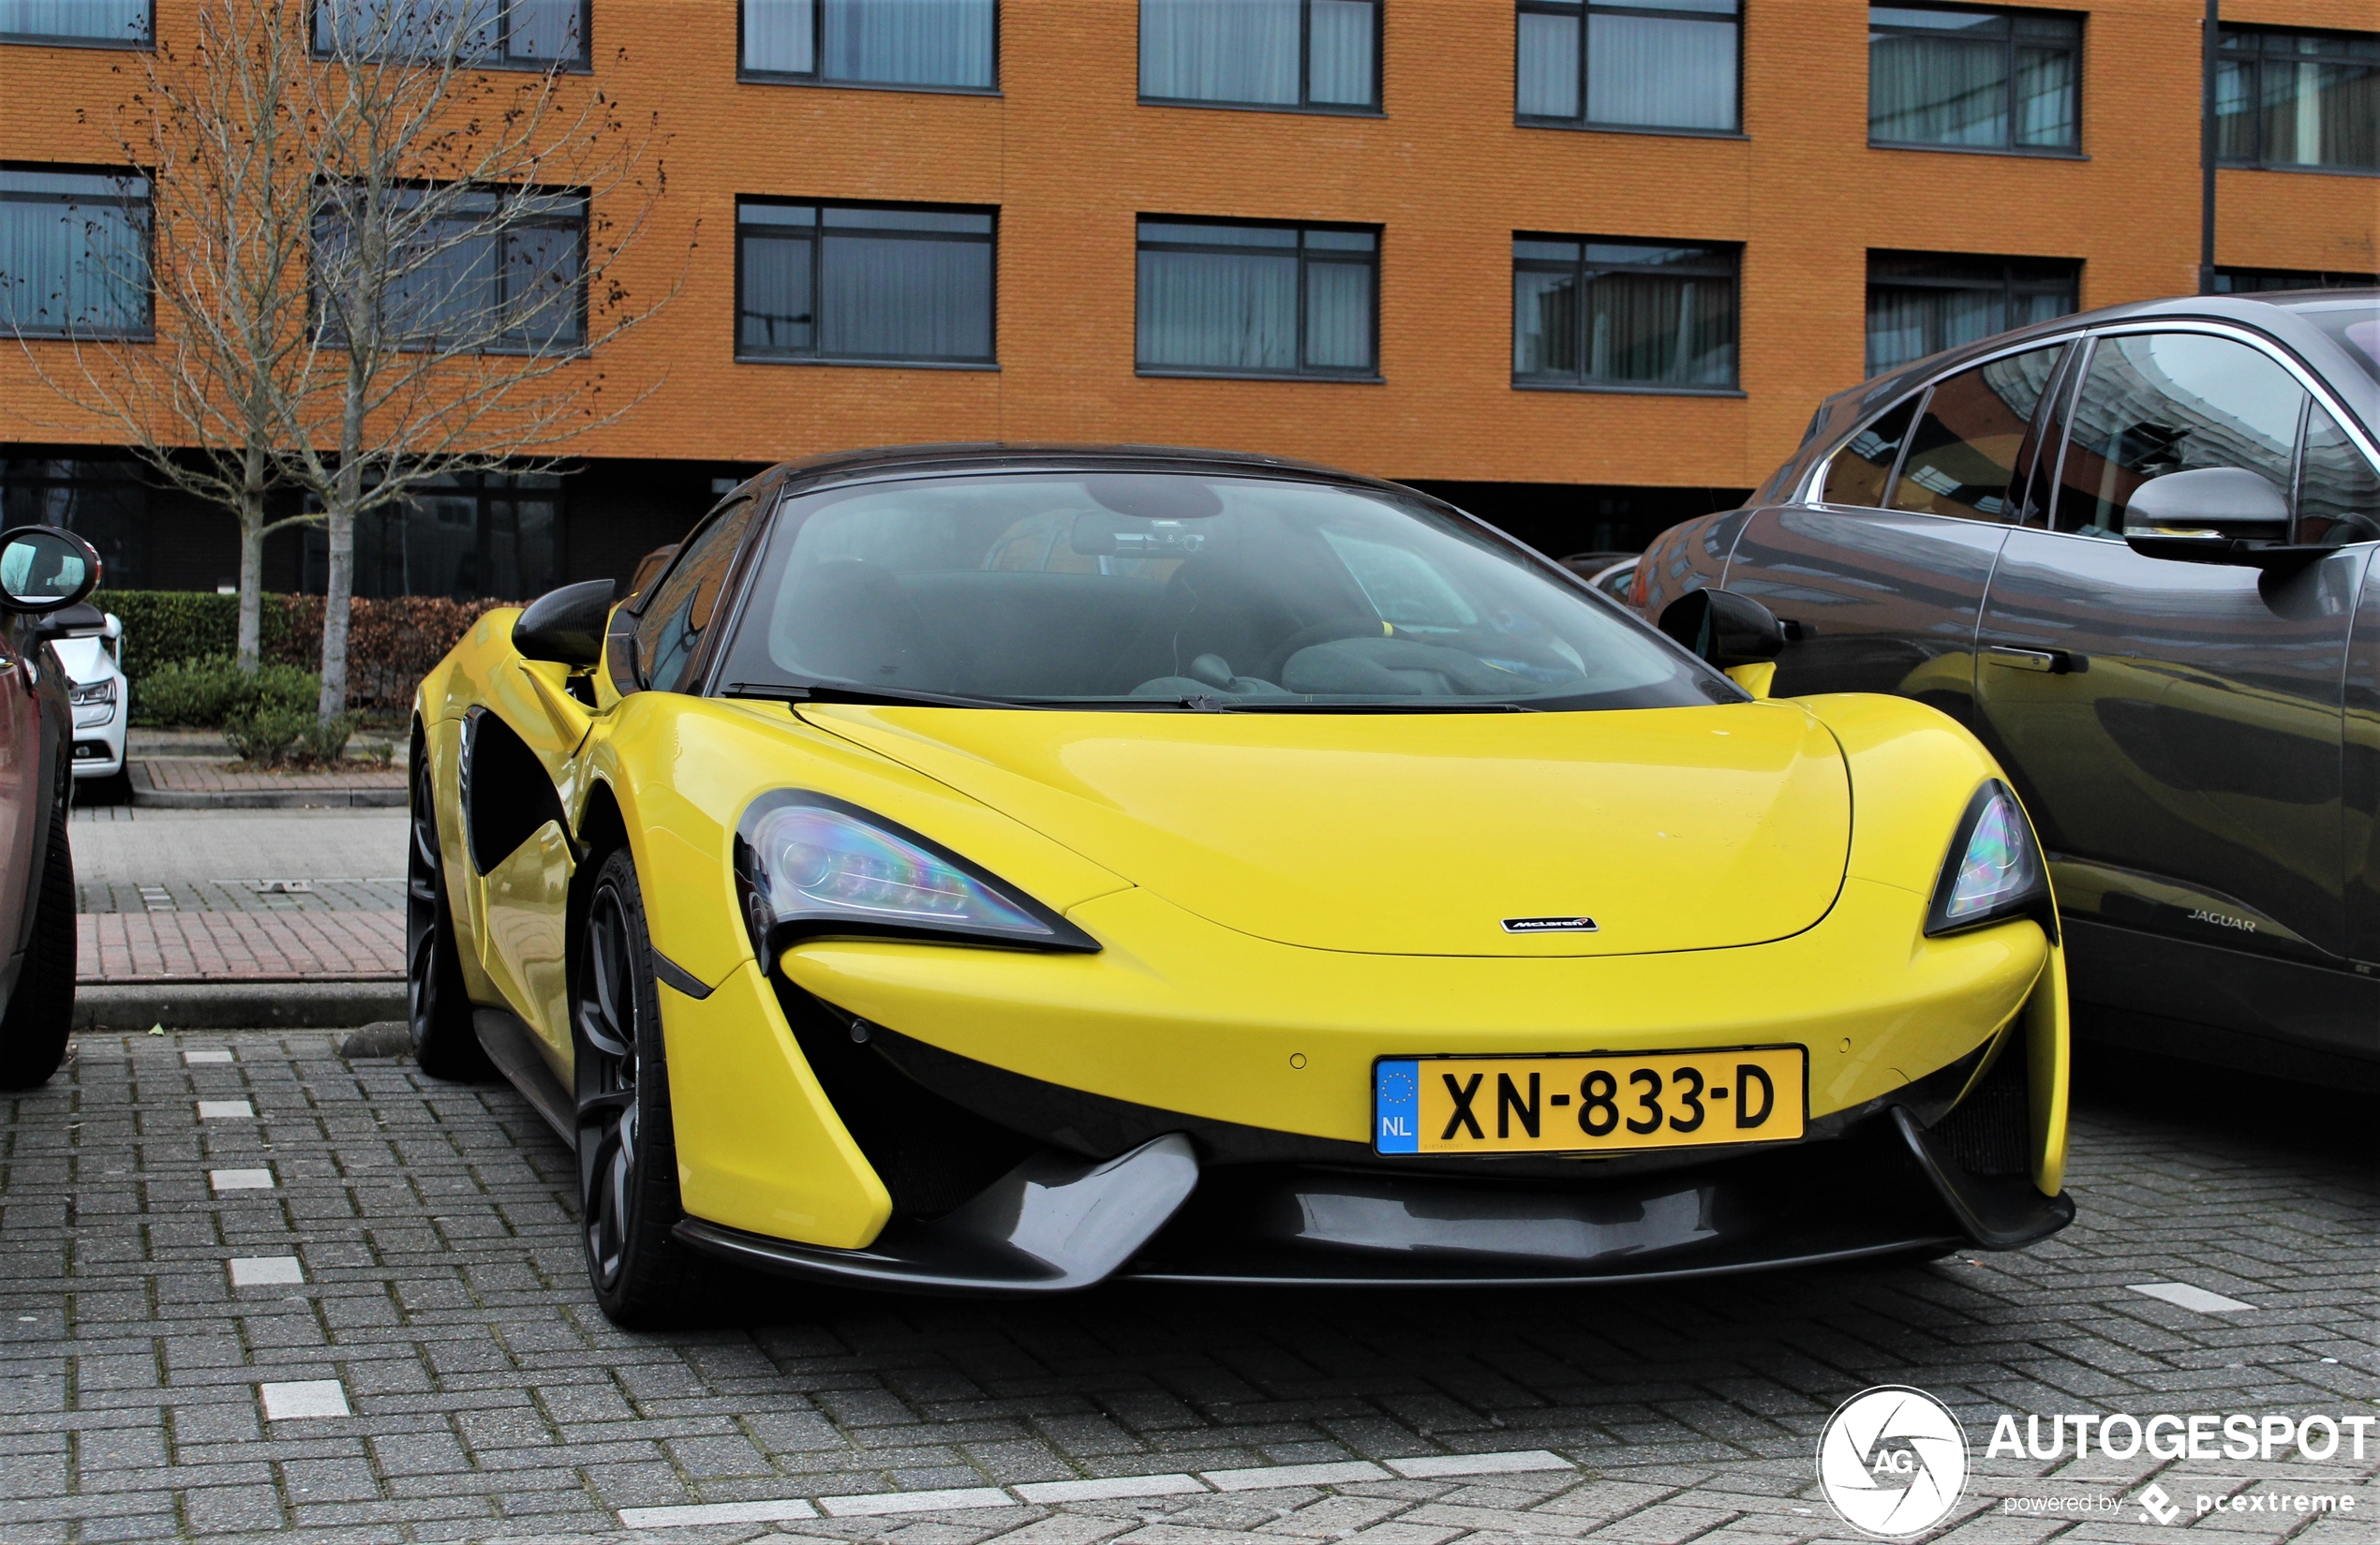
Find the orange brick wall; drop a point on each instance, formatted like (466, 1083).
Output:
(1070, 158)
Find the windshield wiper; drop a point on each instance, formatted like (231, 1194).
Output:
(852, 692)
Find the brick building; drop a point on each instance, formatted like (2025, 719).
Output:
(1584, 267)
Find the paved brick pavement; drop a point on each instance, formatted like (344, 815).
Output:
(199, 1234)
(165, 945)
(214, 775)
(380, 895)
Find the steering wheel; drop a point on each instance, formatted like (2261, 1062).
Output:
(1328, 631)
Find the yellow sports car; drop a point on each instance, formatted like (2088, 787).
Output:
(981, 869)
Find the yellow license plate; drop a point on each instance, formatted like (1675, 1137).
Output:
(1588, 1102)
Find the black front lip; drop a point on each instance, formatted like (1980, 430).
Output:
(1056, 1224)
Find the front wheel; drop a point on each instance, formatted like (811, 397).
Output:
(40, 1012)
(627, 1149)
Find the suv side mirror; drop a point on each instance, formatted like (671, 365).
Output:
(2212, 515)
(1724, 629)
(566, 626)
(44, 568)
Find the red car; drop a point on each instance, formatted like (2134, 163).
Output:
(42, 571)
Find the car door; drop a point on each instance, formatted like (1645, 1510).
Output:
(2174, 727)
(1886, 574)
(523, 767)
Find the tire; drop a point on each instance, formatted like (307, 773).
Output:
(437, 1012)
(627, 1149)
(40, 1012)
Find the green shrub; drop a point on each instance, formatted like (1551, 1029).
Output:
(264, 735)
(212, 691)
(324, 742)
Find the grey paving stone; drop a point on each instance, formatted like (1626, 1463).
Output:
(443, 1289)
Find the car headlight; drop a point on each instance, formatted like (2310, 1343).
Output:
(1994, 869)
(93, 695)
(808, 864)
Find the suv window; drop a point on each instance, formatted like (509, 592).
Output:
(673, 621)
(1964, 452)
(2155, 403)
(1857, 473)
(2338, 490)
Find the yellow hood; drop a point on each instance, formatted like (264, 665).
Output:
(1419, 834)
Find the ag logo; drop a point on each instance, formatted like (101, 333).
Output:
(1891, 1461)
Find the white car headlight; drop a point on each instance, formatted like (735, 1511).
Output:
(806, 863)
(1994, 869)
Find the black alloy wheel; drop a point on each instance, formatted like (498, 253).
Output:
(40, 1011)
(437, 1012)
(627, 1153)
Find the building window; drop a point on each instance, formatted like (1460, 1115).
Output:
(83, 23)
(944, 45)
(102, 501)
(1321, 54)
(866, 283)
(1976, 80)
(1662, 64)
(493, 270)
(1245, 299)
(1589, 311)
(74, 254)
(2299, 100)
(505, 33)
(467, 535)
(2250, 281)
(1921, 303)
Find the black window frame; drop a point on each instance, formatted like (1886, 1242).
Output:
(2080, 51)
(816, 75)
(579, 345)
(1377, 108)
(1302, 372)
(146, 333)
(502, 60)
(480, 488)
(2312, 279)
(1579, 380)
(2228, 32)
(146, 44)
(2009, 287)
(1586, 121)
(814, 356)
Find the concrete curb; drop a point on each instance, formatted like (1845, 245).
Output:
(147, 795)
(237, 1005)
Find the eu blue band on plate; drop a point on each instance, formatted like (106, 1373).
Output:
(1396, 1106)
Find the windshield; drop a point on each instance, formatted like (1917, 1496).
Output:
(1158, 590)
(2354, 323)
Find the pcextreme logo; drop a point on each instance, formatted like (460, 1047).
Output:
(1891, 1461)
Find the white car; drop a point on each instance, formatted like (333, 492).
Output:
(90, 646)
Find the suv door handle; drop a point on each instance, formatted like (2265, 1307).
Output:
(2052, 662)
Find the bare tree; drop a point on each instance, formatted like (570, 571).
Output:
(388, 241)
(208, 406)
(467, 256)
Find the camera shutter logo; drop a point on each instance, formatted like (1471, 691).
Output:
(1891, 1461)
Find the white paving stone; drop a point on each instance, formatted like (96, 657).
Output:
(1516, 1462)
(715, 1512)
(1107, 1489)
(240, 1179)
(206, 1054)
(2187, 1297)
(1293, 1475)
(266, 1271)
(225, 1110)
(304, 1398)
(870, 1503)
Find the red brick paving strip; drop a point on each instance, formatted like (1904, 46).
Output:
(213, 775)
(240, 946)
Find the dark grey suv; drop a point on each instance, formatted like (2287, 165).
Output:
(2131, 549)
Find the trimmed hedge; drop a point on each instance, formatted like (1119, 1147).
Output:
(391, 643)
